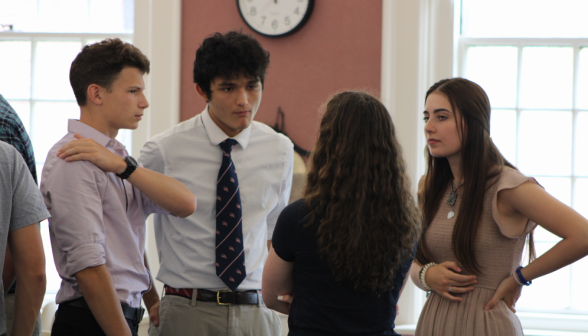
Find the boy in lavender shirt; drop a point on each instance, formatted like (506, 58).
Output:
(98, 198)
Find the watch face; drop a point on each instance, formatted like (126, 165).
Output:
(130, 160)
(275, 17)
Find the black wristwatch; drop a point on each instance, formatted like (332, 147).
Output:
(131, 166)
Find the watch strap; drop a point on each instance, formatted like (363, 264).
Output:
(131, 166)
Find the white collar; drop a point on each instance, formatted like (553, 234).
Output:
(217, 135)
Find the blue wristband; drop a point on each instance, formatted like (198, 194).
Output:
(521, 278)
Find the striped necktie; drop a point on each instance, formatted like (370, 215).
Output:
(230, 255)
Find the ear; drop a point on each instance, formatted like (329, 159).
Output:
(94, 94)
(201, 92)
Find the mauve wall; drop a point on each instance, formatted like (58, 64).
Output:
(339, 48)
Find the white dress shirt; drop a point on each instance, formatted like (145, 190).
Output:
(190, 153)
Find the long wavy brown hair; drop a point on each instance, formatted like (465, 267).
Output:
(359, 194)
(481, 165)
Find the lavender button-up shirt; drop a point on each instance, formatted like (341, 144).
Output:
(96, 219)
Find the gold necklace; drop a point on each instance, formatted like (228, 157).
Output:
(451, 200)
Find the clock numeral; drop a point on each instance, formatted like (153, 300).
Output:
(249, 0)
(300, 0)
(275, 24)
(263, 19)
(253, 11)
(297, 11)
(287, 20)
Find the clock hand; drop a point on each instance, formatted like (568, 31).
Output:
(265, 7)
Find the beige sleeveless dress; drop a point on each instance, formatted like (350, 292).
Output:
(498, 255)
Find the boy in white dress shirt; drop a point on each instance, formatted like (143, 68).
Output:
(212, 261)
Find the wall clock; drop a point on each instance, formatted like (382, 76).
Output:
(275, 17)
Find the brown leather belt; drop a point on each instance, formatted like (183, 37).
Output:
(221, 297)
(130, 313)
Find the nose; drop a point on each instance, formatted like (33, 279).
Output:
(242, 97)
(429, 128)
(143, 103)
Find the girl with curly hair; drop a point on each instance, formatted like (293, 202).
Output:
(345, 248)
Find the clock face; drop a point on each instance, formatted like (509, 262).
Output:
(275, 17)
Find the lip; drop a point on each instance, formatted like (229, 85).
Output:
(139, 116)
(242, 113)
(432, 141)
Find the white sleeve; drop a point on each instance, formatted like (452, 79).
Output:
(284, 197)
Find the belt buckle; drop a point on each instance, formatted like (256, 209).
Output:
(218, 298)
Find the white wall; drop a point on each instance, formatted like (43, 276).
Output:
(158, 35)
(417, 51)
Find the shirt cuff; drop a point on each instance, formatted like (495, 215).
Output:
(84, 256)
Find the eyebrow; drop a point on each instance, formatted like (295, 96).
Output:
(438, 110)
(230, 83)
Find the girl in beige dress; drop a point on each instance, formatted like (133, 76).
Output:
(478, 211)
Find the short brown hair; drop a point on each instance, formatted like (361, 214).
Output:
(101, 63)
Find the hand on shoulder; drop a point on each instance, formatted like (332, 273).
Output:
(86, 149)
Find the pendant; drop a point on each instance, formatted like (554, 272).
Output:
(450, 214)
(452, 198)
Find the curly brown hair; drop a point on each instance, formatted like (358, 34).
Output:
(359, 194)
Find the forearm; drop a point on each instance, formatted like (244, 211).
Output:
(8, 274)
(165, 191)
(562, 254)
(415, 270)
(278, 279)
(26, 248)
(270, 298)
(98, 290)
(28, 301)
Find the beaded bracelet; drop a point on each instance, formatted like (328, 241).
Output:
(423, 273)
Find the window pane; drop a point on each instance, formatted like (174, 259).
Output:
(125, 137)
(53, 279)
(69, 16)
(20, 14)
(23, 109)
(503, 130)
(581, 196)
(52, 62)
(580, 157)
(15, 69)
(546, 78)
(50, 125)
(558, 187)
(582, 90)
(525, 18)
(540, 235)
(495, 70)
(579, 275)
(533, 297)
(545, 143)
